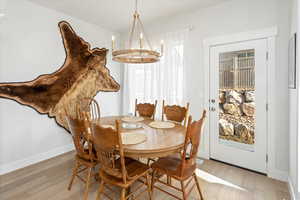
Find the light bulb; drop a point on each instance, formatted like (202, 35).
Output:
(113, 42)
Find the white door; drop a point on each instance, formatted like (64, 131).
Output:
(238, 104)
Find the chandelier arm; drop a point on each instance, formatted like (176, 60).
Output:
(131, 31)
(143, 30)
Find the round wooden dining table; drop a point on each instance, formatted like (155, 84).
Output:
(159, 142)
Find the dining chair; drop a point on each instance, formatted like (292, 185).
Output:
(121, 172)
(181, 169)
(85, 158)
(145, 109)
(175, 113)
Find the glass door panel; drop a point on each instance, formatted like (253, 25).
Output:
(237, 98)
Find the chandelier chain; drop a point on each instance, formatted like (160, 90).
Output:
(131, 32)
(136, 3)
(143, 30)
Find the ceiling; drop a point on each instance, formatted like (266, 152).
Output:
(116, 15)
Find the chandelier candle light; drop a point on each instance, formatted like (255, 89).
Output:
(143, 52)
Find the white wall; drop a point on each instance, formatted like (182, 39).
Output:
(233, 17)
(293, 116)
(30, 45)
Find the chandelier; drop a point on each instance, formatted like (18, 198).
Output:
(142, 52)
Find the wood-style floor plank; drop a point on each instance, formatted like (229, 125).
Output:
(49, 179)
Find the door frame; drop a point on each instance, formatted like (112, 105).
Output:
(269, 34)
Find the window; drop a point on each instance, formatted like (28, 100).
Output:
(158, 81)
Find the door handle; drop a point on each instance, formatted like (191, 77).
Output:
(212, 109)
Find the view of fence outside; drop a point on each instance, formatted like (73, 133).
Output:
(237, 70)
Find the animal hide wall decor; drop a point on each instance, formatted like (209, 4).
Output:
(82, 75)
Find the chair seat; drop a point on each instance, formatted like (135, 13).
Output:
(135, 170)
(176, 155)
(170, 166)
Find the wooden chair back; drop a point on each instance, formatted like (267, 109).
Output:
(145, 109)
(175, 113)
(91, 107)
(191, 144)
(79, 129)
(107, 143)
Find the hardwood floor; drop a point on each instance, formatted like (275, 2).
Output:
(49, 180)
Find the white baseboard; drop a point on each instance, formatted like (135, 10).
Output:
(204, 155)
(6, 168)
(293, 195)
(278, 174)
(272, 173)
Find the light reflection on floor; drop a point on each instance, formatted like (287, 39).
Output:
(213, 179)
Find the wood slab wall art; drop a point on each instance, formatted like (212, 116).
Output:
(82, 75)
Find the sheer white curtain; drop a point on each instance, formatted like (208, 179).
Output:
(161, 80)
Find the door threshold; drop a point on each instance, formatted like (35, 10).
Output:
(250, 170)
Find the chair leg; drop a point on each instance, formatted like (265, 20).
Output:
(127, 193)
(169, 180)
(183, 190)
(100, 190)
(96, 175)
(152, 181)
(75, 169)
(87, 185)
(149, 186)
(198, 186)
(123, 194)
